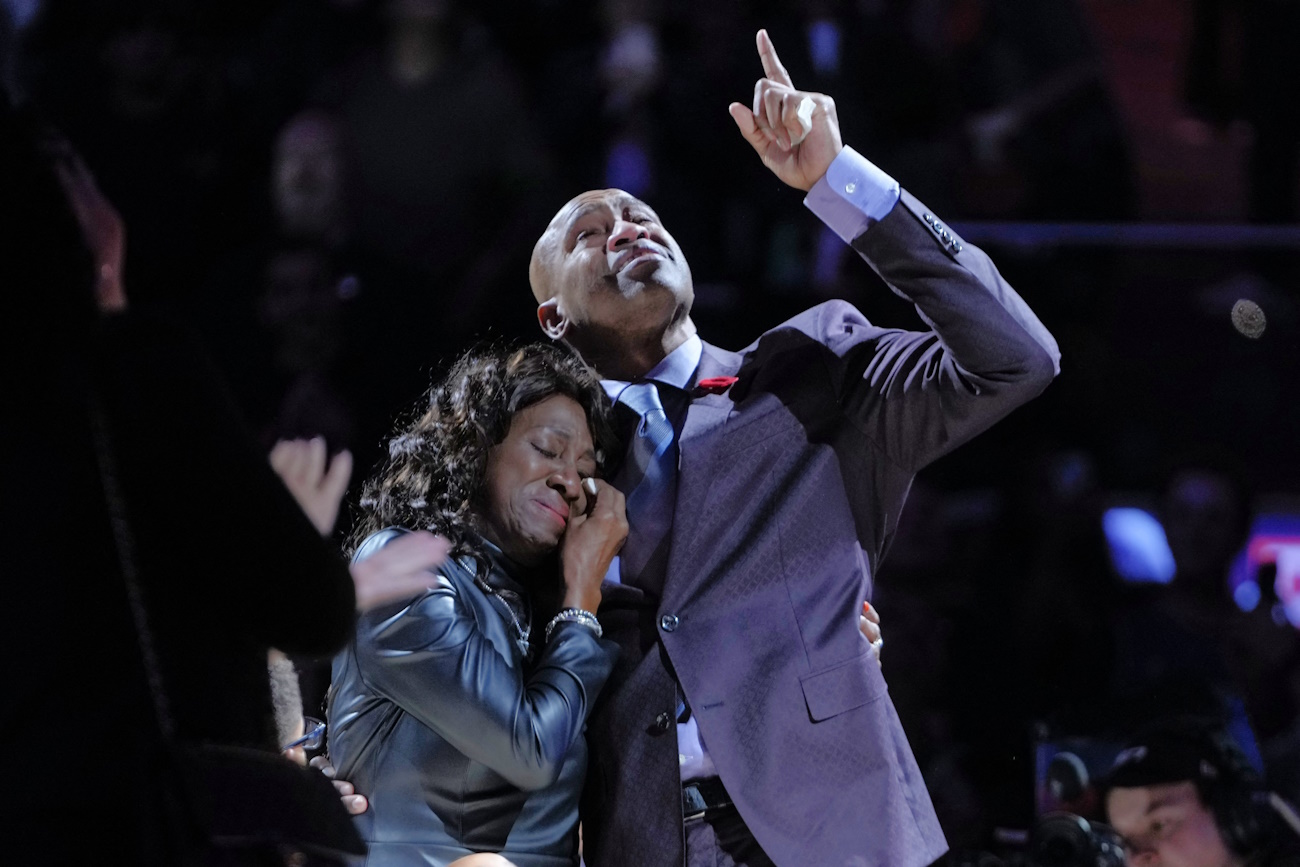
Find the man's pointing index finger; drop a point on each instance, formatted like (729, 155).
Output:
(772, 67)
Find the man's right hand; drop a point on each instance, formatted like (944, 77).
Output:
(797, 133)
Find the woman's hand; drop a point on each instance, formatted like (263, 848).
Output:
(591, 541)
(869, 626)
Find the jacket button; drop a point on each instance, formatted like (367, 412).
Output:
(662, 722)
(668, 622)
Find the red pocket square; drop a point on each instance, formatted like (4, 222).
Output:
(716, 384)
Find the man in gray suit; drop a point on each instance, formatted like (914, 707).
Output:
(747, 722)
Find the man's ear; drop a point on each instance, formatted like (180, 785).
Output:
(554, 324)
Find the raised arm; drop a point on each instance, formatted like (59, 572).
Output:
(917, 395)
(921, 394)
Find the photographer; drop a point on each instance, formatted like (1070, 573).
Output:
(1183, 795)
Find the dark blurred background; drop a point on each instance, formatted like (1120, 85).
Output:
(341, 195)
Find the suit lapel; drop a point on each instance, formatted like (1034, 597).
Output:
(705, 417)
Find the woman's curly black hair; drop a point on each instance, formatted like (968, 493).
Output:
(437, 464)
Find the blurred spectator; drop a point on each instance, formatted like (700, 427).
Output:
(307, 285)
(1206, 517)
(291, 303)
(134, 481)
(275, 56)
(141, 85)
(448, 170)
(1206, 514)
(1185, 647)
(1240, 66)
(1046, 141)
(1045, 579)
(14, 16)
(920, 663)
(1069, 596)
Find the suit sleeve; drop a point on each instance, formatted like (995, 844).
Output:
(432, 659)
(918, 395)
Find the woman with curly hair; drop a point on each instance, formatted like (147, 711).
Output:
(461, 712)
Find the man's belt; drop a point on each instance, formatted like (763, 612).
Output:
(701, 796)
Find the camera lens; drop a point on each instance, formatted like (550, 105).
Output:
(1067, 840)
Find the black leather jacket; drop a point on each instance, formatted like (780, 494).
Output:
(460, 744)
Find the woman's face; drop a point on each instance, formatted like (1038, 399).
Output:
(534, 479)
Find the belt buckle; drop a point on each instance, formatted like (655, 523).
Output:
(694, 804)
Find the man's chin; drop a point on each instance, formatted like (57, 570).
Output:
(652, 285)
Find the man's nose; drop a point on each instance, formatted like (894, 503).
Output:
(625, 232)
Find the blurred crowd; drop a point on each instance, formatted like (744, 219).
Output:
(1033, 616)
(342, 195)
(342, 192)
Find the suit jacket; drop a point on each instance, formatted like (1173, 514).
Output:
(789, 490)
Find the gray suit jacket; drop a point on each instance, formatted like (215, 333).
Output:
(790, 487)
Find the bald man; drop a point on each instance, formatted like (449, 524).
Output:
(747, 722)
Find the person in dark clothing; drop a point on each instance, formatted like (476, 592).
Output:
(157, 554)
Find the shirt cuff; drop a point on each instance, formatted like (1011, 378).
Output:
(852, 195)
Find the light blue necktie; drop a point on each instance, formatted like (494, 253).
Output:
(649, 476)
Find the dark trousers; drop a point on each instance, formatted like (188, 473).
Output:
(721, 839)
